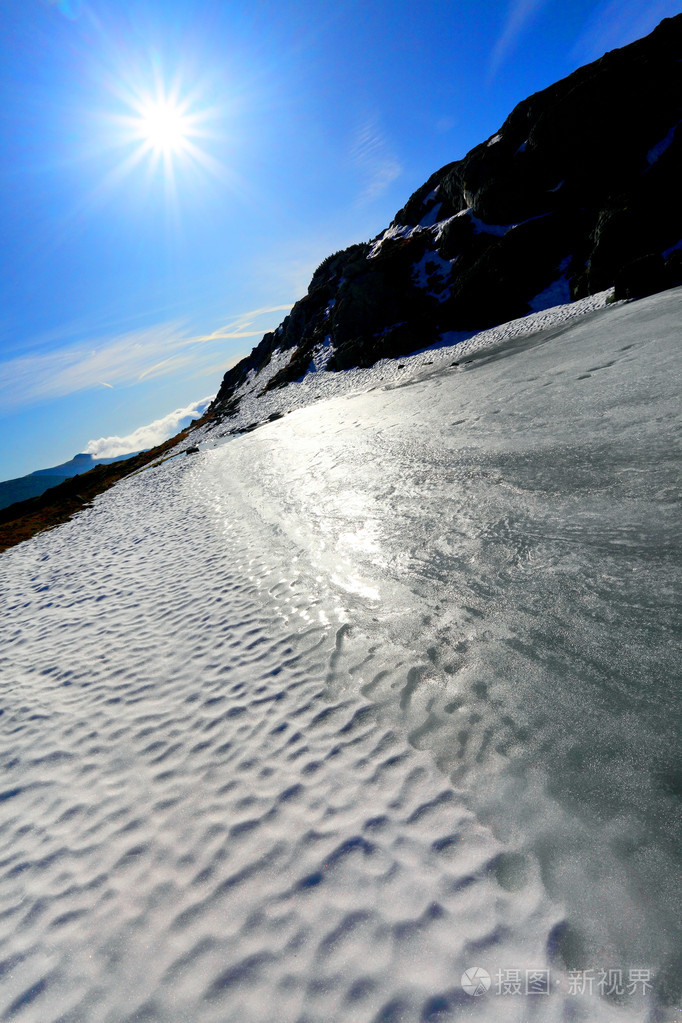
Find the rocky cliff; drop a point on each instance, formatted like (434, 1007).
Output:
(578, 191)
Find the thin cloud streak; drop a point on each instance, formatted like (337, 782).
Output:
(617, 23)
(166, 366)
(128, 359)
(372, 154)
(520, 14)
(30, 378)
(237, 328)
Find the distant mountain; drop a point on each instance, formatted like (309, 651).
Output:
(79, 464)
(578, 191)
(38, 482)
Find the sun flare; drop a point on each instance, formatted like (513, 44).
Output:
(166, 131)
(164, 126)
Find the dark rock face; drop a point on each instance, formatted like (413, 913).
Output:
(581, 183)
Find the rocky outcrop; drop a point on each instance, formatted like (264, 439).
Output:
(577, 192)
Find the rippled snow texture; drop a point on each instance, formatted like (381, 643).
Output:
(301, 727)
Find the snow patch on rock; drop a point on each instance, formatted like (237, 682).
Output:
(430, 218)
(432, 273)
(659, 149)
(556, 293)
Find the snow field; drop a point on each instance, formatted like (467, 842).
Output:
(304, 726)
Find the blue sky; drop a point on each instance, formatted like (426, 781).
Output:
(135, 269)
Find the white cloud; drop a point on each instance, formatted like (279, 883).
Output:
(519, 14)
(372, 154)
(148, 436)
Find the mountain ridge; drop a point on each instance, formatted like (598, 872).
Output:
(35, 483)
(575, 193)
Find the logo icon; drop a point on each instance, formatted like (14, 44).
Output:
(476, 981)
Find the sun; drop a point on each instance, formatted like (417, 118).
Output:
(164, 126)
(164, 131)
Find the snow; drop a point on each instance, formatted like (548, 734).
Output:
(659, 149)
(435, 227)
(492, 141)
(673, 248)
(255, 382)
(256, 406)
(430, 218)
(321, 355)
(480, 227)
(395, 231)
(431, 272)
(306, 725)
(556, 293)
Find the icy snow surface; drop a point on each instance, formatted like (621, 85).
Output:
(256, 405)
(303, 726)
